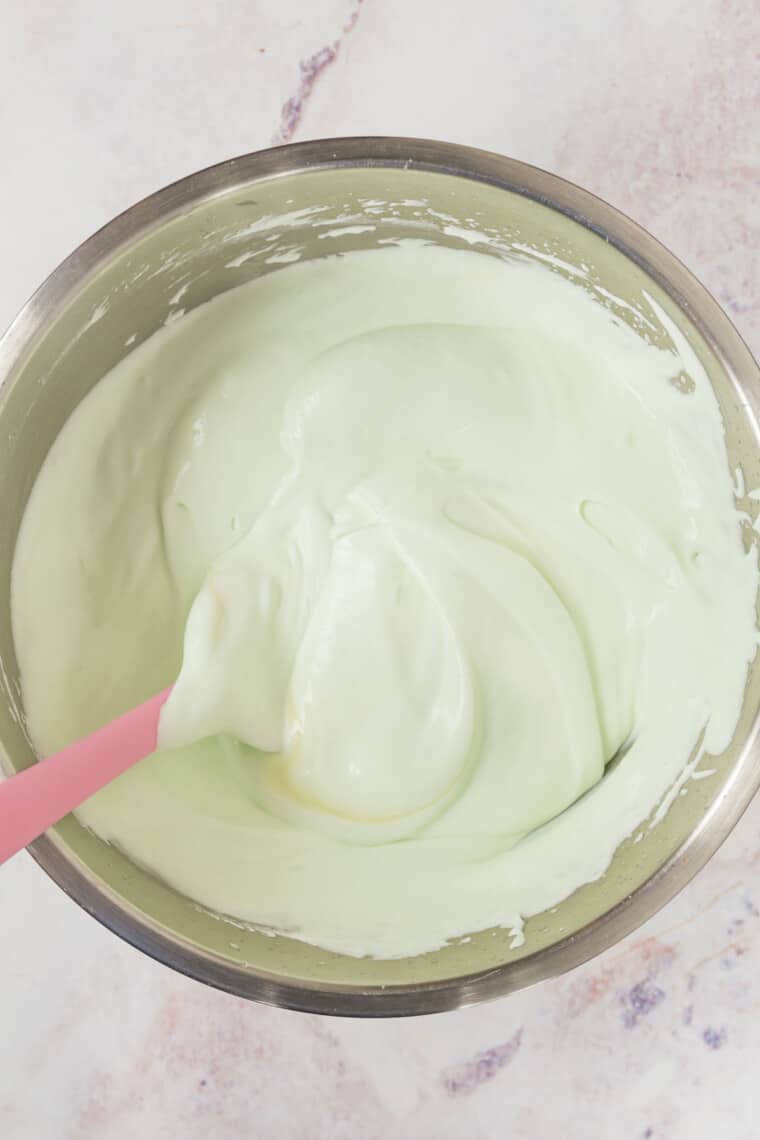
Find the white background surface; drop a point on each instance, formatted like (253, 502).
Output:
(654, 105)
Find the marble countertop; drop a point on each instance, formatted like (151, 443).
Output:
(655, 105)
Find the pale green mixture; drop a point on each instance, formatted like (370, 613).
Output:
(440, 534)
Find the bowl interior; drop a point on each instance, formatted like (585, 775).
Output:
(142, 271)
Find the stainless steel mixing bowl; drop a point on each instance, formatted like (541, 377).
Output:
(218, 229)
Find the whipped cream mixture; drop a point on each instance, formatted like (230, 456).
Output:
(426, 538)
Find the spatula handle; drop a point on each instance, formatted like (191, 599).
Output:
(35, 799)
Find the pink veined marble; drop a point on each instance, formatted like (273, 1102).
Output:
(655, 106)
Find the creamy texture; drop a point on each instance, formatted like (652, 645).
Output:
(440, 535)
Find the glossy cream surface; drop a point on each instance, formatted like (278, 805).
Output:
(425, 538)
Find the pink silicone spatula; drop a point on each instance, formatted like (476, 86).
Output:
(35, 799)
